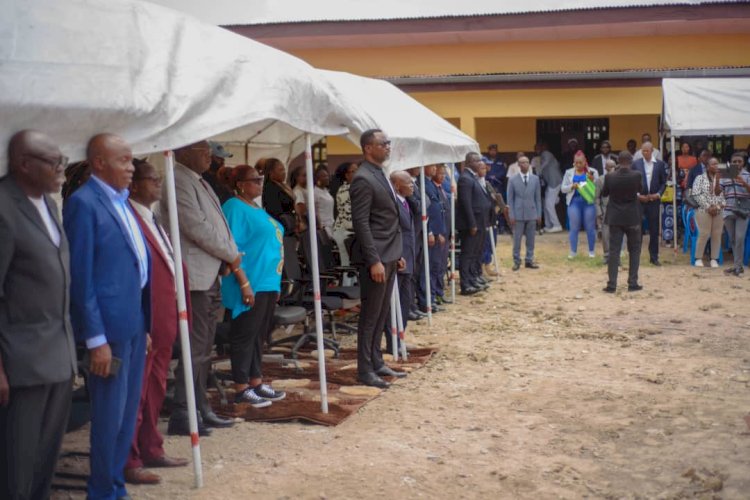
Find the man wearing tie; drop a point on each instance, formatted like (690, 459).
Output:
(377, 251)
(404, 187)
(207, 249)
(110, 306)
(147, 448)
(37, 353)
(654, 174)
(472, 219)
(525, 208)
(439, 229)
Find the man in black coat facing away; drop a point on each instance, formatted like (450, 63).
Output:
(472, 219)
(376, 250)
(624, 218)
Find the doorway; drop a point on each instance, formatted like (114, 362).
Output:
(589, 132)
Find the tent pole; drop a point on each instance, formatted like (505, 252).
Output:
(453, 232)
(187, 364)
(400, 320)
(674, 197)
(315, 265)
(426, 252)
(394, 327)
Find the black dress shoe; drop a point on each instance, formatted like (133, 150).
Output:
(655, 262)
(634, 288)
(531, 265)
(413, 317)
(419, 313)
(436, 308)
(469, 291)
(373, 381)
(481, 280)
(180, 427)
(516, 266)
(609, 289)
(386, 371)
(211, 419)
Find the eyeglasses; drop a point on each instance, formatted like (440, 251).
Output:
(384, 144)
(61, 161)
(256, 180)
(153, 178)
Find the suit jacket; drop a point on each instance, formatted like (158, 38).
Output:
(599, 161)
(658, 176)
(375, 215)
(473, 203)
(408, 238)
(622, 187)
(525, 200)
(106, 294)
(204, 235)
(36, 336)
(415, 202)
(694, 173)
(439, 210)
(164, 319)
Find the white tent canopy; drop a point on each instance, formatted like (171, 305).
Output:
(418, 135)
(159, 78)
(707, 106)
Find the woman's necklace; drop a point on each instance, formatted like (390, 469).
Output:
(249, 202)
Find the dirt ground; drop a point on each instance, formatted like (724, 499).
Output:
(545, 387)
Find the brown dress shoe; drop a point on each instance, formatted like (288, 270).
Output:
(165, 461)
(140, 475)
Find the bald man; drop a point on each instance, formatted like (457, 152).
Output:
(110, 306)
(37, 353)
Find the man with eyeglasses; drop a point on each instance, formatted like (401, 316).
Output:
(207, 250)
(147, 449)
(377, 252)
(37, 352)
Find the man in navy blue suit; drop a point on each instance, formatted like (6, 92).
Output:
(438, 228)
(110, 306)
(654, 174)
(472, 219)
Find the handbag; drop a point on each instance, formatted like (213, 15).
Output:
(587, 191)
(742, 207)
(668, 195)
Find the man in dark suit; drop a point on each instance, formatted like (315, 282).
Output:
(110, 306)
(438, 226)
(525, 210)
(605, 153)
(419, 289)
(404, 187)
(472, 215)
(654, 178)
(147, 449)
(623, 216)
(700, 168)
(376, 251)
(37, 353)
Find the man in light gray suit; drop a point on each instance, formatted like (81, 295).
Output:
(525, 210)
(207, 248)
(37, 352)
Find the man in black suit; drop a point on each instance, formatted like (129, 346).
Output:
(624, 218)
(376, 250)
(600, 160)
(37, 352)
(472, 219)
(654, 182)
(404, 188)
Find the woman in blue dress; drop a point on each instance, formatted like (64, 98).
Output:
(581, 213)
(260, 239)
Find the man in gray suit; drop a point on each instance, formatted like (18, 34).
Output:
(37, 351)
(376, 250)
(207, 247)
(525, 209)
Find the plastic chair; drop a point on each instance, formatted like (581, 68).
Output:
(746, 257)
(689, 229)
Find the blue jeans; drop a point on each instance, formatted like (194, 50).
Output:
(581, 213)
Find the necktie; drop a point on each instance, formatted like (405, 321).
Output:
(406, 206)
(525, 180)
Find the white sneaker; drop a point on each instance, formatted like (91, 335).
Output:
(592, 255)
(571, 256)
(714, 263)
(698, 263)
(555, 229)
